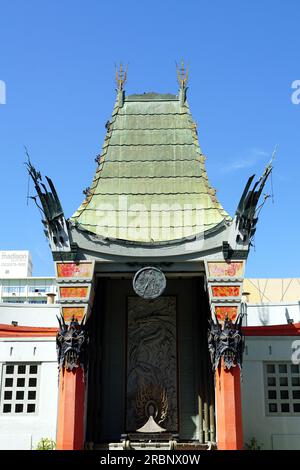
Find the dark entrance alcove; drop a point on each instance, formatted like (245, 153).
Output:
(162, 343)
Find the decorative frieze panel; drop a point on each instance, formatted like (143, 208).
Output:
(224, 269)
(74, 293)
(72, 271)
(224, 282)
(77, 313)
(75, 289)
(222, 312)
(225, 291)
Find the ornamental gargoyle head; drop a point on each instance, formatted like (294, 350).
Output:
(71, 342)
(226, 342)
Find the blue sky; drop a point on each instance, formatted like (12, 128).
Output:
(57, 61)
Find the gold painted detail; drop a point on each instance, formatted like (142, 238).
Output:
(151, 400)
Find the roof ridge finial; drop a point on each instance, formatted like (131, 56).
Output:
(182, 75)
(121, 76)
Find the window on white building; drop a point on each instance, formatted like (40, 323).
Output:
(282, 388)
(41, 289)
(13, 289)
(19, 388)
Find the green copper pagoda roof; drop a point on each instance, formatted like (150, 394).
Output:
(151, 184)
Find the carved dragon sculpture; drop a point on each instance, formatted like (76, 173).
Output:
(227, 342)
(71, 344)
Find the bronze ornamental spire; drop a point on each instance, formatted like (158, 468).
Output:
(182, 78)
(121, 77)
(182, 75)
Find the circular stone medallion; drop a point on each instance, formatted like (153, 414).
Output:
(149, 282)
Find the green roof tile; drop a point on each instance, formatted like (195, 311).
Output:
(151, 184)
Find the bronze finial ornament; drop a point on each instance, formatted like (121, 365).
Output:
(182, 75)
(121, 76)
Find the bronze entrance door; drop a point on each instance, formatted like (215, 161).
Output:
(151, 371)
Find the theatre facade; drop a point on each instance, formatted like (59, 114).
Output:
(150, 270)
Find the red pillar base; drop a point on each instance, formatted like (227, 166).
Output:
(229, 409)
(70, 424)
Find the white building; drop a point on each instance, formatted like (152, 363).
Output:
(28, 374)
(29, 379)
(15, 264)
(271, 382)
(28, 290)
(28, 362)
(270, 386)
(272, 301)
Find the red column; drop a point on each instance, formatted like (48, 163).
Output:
(229, 408)
(70, 423)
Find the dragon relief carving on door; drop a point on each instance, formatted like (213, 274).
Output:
(152, 363)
